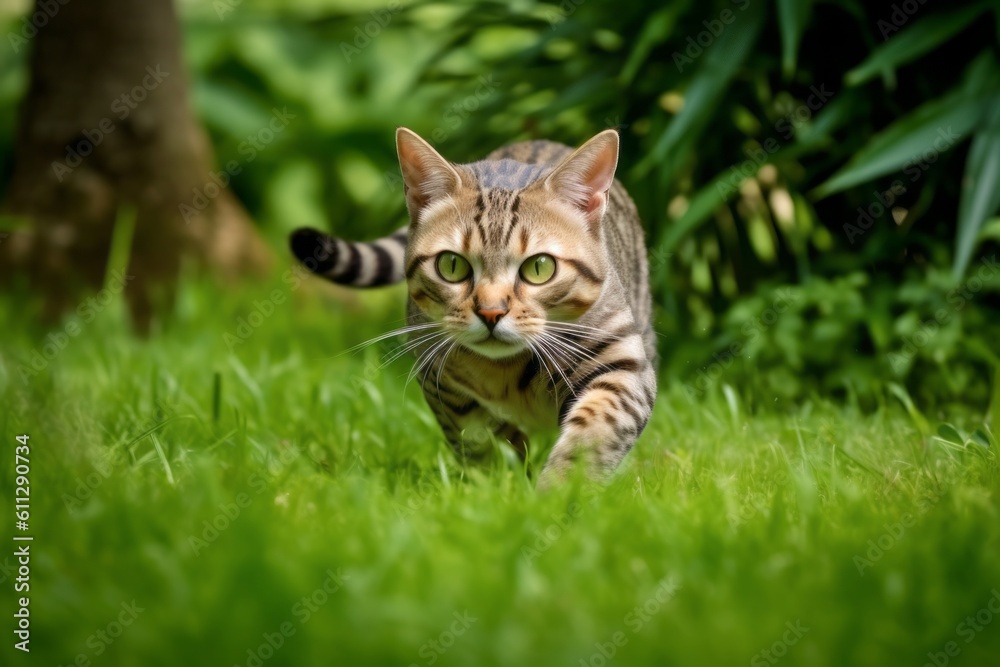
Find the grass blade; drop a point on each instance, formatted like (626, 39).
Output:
(121, 245)
(216, 396)
(163, 458)
(994, 413)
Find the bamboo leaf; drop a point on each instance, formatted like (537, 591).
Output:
(720, 62)
(994, 411)
(655, 31)
(912, 42)
(793, 15)
(699, 209)
(837, 113)
(980, 196)
(935, 126)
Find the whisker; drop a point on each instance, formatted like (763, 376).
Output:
(570, 346)
(429, 366)
(576, 349)
(441, 367)
(580, 328)
(410, 345)
(395, 332)
(587, 354)
(425, 359)
(541, 359)
(544, 346)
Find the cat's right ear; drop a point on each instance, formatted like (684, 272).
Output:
(426, 175)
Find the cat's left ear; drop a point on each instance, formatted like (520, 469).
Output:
(584, 178)
(428, 176)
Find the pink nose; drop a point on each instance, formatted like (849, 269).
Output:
(490, 316)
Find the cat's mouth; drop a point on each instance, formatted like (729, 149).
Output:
(496, 348)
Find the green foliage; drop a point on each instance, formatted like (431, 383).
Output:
(218, 484)
(756, 162)
(751, 495)
(853, 336)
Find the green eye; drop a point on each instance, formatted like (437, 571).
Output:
(453, 268)
(538, 269)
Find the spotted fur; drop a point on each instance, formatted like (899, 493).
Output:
(499, 357)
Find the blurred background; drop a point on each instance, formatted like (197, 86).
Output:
(818, 180)
(818, 183)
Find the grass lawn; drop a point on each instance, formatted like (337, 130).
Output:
(286, 504)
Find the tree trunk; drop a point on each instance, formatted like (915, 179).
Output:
(107, 125)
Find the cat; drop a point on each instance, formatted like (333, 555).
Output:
(528, 297)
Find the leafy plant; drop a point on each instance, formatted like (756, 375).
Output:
(761, 147)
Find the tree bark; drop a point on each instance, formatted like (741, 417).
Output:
(107, 124)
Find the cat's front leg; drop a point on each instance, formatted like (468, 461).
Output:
(602, 420)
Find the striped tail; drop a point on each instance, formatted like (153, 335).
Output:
(357, 264)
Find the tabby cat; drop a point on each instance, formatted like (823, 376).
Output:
(528, 297)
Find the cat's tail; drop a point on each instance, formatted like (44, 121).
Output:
(373, 264)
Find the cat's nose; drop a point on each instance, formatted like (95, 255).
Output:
(490, 316)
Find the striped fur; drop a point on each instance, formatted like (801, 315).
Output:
(498, 356)
(349, 263)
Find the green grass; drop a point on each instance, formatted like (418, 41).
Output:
(741, 522)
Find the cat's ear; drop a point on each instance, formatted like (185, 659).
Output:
(426, 175)
(584, 178)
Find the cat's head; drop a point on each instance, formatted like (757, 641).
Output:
(497, 251)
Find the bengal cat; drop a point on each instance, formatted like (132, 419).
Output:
(528, 297)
